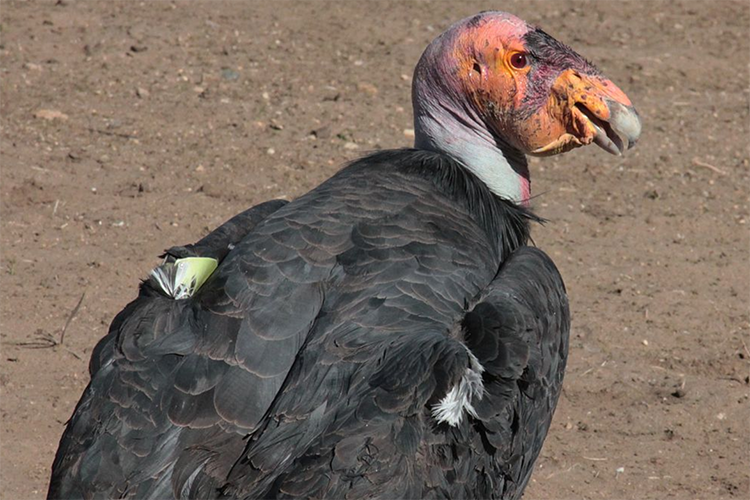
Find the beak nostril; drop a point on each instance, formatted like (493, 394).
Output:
(591, 115)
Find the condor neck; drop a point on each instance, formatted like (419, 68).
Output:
(462, 136)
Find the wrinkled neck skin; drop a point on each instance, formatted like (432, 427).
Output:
(445, 122)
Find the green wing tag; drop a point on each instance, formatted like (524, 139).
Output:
(182, 278)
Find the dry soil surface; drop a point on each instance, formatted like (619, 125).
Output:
(129, 127)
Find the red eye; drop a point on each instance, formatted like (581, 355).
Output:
(519, 60)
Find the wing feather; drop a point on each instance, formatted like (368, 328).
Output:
(308, 364)
(153, 385)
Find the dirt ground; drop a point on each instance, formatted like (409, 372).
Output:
(129, 127)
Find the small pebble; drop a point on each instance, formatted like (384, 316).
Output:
(229, 74)
(367, 88)
(323, 132)
(50, 114)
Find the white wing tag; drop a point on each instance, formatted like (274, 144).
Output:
(182, 278)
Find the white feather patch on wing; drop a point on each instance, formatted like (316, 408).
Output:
(451, 408)
(182, 278)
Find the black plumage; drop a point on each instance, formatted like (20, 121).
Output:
(390, 334)
(309, 364)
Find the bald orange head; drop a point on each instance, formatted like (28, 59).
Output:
(530, 91)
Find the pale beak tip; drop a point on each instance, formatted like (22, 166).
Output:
(625, 122)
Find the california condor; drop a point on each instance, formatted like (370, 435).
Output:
(387, 335)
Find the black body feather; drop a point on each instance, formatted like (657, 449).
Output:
(306, 366)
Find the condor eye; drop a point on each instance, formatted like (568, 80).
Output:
(519, 60)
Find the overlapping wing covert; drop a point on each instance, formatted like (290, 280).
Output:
(148, 384)
(358, 423)
(308, 364)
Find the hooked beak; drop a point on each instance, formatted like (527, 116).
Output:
(592, 109)
(620, 132)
